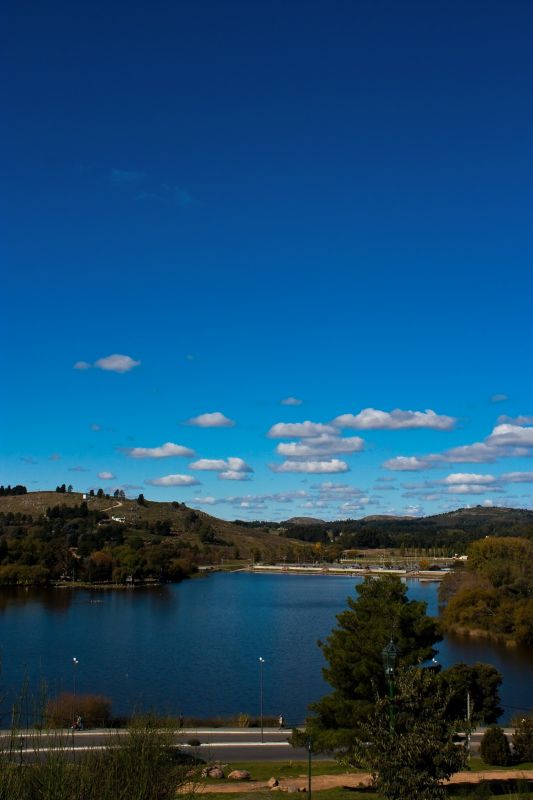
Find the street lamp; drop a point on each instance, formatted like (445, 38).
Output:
(261, 662)
(75, 663)
(389, 654)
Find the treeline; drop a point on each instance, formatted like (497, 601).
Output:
(493, 595)
(76, 543)
(451, 533)
(9, 491)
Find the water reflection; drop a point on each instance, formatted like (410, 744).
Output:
(193, 647)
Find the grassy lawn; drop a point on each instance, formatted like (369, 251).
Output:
(478, 765)
(263, 770)
(327, 794)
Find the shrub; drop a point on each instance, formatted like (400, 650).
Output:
(523, 740)
(494, 748)
(94, 710)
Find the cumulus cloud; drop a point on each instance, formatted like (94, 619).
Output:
(233, 475)
(116, 363)
(472, 488)
(328, 490)
(406, 463)
(291, 401)
(230, 469)
(521, 420)
(506, 440)
(468, 477)
(106, 476)
(220, 464)
(82, 365)
(167, 450)
(302, 430)
(517, 477)
(312, 467)
(173, 480)
(78, 468)
(511, 435)
(54, 457)
(211, 420)
(324, 445)
(373, 419)
(205, 501)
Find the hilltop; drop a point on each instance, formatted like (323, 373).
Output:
(175, 519)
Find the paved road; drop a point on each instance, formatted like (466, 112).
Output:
(228, 745)
(215, 744)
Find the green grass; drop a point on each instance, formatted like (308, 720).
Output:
(326, 794)
(263, 770)
(478, 765)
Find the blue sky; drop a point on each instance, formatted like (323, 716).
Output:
(251, 202)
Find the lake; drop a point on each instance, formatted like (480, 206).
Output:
(194, 647)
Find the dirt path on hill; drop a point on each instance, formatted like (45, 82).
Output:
(351, 781)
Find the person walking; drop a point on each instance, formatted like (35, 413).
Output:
(280, 722)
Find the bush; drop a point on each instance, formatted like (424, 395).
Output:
(494, 748)
(94, 710)
(523, 740)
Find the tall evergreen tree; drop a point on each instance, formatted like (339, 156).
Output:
(353, 651)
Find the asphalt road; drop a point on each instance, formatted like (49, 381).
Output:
(228, 745)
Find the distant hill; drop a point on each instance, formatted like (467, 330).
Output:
(304, 521)
(190, 525)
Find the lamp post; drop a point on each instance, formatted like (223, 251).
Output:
(389, 655)
(309, 754)
(261, 662)
(75, 663)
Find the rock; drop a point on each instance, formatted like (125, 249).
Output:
(215, 772)
(272, 783)
(239, 775)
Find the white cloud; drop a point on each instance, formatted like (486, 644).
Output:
(96, 427)
(407, 463)
(173, 480)
(302, 430)
(521, 420)
(373, 419)
(324, 445)
(511, 435)
(82, 365)
(54, 457)
(337, 491)
(234, 475)
(106, 476)
(291, 401)
(498, 398)
(471, 488)
(312, 467)
(220, 464)
(517, 477)
(167, 450)
(116, 363)
(78, 468)
(505, 440)
(468, 477)
(205, 501)
(212, 420)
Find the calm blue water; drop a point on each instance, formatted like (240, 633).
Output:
(194, 647)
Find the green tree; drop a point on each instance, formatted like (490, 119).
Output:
(410, 759)
(523, 740)
(140, 500)
(494, 747)
(353, 652)
(481, 682)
